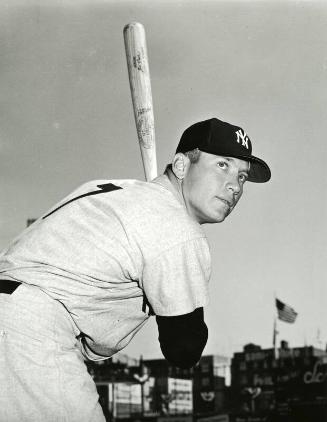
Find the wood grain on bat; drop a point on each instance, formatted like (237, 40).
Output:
(140, 85)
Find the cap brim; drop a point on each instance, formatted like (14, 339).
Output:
(259, 170)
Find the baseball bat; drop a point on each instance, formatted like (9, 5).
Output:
(140, 85)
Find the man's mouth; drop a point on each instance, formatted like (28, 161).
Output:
(230, 204)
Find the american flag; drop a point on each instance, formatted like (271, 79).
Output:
(285, 312)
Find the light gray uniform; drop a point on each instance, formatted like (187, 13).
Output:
(94, 267)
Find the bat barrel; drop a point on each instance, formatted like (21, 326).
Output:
(140, 85)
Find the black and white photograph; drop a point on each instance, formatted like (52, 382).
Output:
(163, 211)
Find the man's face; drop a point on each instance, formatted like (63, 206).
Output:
(213, 185)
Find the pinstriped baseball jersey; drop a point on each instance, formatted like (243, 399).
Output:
(105, 255)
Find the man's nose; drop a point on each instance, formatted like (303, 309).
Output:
(234, 186)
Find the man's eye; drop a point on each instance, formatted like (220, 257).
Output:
(222, 164)
(242, 178)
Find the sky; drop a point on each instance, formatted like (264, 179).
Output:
(66, 118)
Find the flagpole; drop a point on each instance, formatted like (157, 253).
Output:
(284, 313)
(275, 343)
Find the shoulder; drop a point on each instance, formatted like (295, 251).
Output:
(160, 223)
(151, 213)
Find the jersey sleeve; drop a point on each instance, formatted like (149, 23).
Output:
(176, 281)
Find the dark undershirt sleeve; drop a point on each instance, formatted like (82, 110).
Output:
(182, 338)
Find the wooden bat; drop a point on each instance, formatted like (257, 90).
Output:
(140, 84)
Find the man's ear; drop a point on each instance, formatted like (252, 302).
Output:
(180, 165)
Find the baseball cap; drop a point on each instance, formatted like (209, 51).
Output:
(221, 138)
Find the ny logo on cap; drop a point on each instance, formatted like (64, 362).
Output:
(242, 138)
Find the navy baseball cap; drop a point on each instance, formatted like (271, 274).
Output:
(221, 138)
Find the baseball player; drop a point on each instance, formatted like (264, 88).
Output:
(82, 280)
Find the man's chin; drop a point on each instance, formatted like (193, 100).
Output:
(221, 216)
(216, 219)
(216, 216)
